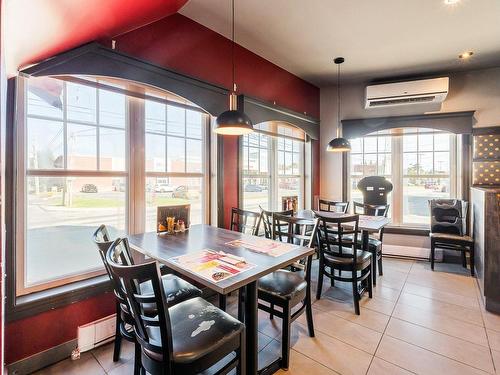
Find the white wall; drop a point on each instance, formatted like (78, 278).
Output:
(475, 90)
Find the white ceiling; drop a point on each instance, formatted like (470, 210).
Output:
(378, 38)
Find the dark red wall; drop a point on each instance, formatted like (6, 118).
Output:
(178, 43)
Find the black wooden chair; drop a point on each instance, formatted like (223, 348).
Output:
(343, 256)
(449, 229)
(374, 244)
(266, 218)
(287, 289)
(176, 289)
(333, 206)
(186, 338)
(244, 221)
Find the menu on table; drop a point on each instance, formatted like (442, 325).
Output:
(263, 246)
(212, 265)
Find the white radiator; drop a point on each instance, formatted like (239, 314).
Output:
(96, 333)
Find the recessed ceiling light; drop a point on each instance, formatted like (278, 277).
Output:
(450, 2)
(465, 55)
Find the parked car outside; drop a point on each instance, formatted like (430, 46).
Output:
(253, 188)
(89, 188)
(164, 188)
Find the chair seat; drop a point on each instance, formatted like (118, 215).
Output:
(452, 238)
(198, 329)
(284, 284)
(176, 290)
(363, 258)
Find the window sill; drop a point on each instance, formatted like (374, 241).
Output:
(406, 230)
(38, 302)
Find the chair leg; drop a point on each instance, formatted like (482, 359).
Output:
(370, 287)
(433, 247)
(320, 281)
(464, 259)
(118, 335)
(355, 295)
(374, 267)
(471, 259)
(137, 359)
(271, 314)
(285, 337)
(309, 315)
(332, 282)
(380, 267)
(222, 302)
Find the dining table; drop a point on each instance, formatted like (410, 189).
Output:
(167, 248)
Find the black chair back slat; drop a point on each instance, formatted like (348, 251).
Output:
(345, 225)
(333, 206)
(244, 221)
(130, 276)
(266, 217)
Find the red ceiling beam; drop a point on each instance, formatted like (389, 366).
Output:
(36, 30)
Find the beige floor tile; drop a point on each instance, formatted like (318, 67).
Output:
(442, 308)
(491, 321)
(351, 333)
(125, 369)
(300, 365)
(494, 339)
(387, 280)
(397, 264)
(420, 361)
(443, 283)
(331, 352)
(86, 365)
(476, 356)
(104, 355)
(368, 318)
(441, 323)
(269, 327)
(496, 360)
(378, 304)
(386, 293)
(443, 296)
(381, 367)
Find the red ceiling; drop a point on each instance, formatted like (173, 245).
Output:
(35, 30)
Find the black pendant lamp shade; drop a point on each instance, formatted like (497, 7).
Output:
(338, 144)
(233, 122)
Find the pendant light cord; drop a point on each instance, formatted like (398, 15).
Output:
(232, 48)
(338, 101)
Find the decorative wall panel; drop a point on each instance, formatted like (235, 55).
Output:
(486, 160)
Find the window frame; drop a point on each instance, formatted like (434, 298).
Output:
(135, 175)
(397, 172)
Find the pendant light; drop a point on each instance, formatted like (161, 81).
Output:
(338, 144)
(233, 122)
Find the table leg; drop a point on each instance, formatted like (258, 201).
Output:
(251, 322)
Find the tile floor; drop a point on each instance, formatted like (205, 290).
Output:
(419, 322)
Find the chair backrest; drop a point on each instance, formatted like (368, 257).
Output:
(103, 242)
(129, 277)
(371, 209)
(266, 218)
(375, 189)
(297, 231)
(448, 216)
(333, 206)
(341, 226)
(244, 221)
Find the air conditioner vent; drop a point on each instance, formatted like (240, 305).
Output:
(423, 99)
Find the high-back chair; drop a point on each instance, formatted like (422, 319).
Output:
(244, 221)
(333, 206)
(343, 255)
(185, 338)
(266, 218)
(286, 289)
(449, 229)
(375, 189)
(375, 245)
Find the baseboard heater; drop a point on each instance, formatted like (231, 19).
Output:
(94, 334)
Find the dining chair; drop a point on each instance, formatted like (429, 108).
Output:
(186, 338)
(374, 244)
(176, 289)
(333, 206)
(285, 289)
(343, 255)
(245, 221)
(449, 229)
(267, 221)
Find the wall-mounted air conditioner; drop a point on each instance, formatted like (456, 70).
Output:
(432, 90)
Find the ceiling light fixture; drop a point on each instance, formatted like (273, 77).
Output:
(338, 144)
(233, 122)
(465, 55)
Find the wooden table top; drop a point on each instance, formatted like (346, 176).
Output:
(366, 222)
(199, 237)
